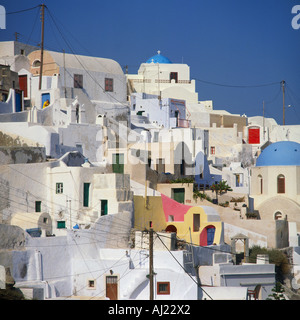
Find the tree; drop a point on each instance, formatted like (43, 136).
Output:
(277, 257)
(278, 292)
(220, 187)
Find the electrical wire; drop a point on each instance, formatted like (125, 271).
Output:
(198, 284)
(200, 80)
(291, 95)
(213, 248)
(160, 239)
(24, 10)
(73, 212)
(238, 86)
(225, 85)
(263, 85)
(80, 62)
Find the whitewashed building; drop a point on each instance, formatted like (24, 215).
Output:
(59, 195)
(164, 113)
(275, 182)
(86, 269)
(159, 76)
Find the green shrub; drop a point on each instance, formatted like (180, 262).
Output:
(277, 257)
(277, 294)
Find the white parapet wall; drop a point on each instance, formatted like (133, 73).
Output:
(161, 240)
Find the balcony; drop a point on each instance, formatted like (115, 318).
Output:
(182, 123)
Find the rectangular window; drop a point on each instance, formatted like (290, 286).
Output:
(238, 180)
(174, 76)
(59, 187)
(118, 163)
(160, 166)
(91, 284)
(212, 150)
(104, 207)
(163, 287)
(178, 194)
(170, 218)
(78, 81)
(61, 224)
(109, 84)
(38, 206)
(196, 222)
(182, 168)
(86, 194)
(253, 135)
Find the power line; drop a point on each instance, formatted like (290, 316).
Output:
(20, 11)
(96, 82)
(73, 212)
(293, 96)
(114, 265)
(76, 39)
(198, 284)
(223, 251)
(238, 86)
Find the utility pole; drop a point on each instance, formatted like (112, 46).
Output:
(195, 267)
(17, 36)
(145, 203)
(65, 73)
(264, 119)
(70, 212)
(151, 262)
(42, 44)
(192, 249)
(282, 85)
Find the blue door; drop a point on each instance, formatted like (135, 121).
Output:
(18, 102)
(210, 235)
(45, 96)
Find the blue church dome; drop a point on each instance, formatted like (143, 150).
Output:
(282, 153)
(158, 59)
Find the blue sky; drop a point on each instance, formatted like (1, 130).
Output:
(232, 46)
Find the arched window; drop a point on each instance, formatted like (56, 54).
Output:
(171, 228)
(281, 184)
(36, 63)
(260, 184)
(278, 215)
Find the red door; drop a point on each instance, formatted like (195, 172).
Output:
(207, 236)
(253, 136)
(112, 287)
(23, 84)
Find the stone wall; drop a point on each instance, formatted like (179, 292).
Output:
(12, 237)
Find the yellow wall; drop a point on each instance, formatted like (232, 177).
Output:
(152, 212)
(155, 213)
(49, 65)
(183, 227)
